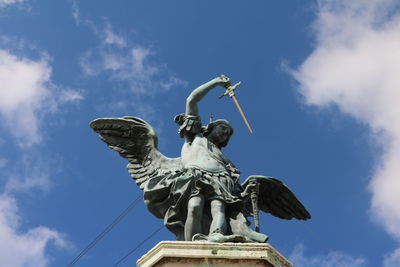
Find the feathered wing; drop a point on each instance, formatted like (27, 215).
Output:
(275, 198)
(135, 140)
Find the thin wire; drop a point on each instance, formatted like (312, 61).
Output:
(104, 232)
(138, 246)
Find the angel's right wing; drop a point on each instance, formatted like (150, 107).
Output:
(135, 140)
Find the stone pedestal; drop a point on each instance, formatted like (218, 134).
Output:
(202, 254)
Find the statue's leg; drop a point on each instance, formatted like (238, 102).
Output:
(194, 216)
(218, 223)
(240, 226)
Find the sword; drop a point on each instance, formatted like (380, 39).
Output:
(230, 91)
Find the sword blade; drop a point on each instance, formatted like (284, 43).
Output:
(241, 113)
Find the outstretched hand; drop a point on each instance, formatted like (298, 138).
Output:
(249, 188)
(223, 81)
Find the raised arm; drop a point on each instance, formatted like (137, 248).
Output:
(198, 93)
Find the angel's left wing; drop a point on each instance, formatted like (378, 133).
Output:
(135, 140)
(275, 198)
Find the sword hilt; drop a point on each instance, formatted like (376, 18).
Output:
(230, 90)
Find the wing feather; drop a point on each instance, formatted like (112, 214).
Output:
(135, 140)
(277, 199)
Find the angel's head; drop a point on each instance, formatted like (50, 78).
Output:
(218, 132)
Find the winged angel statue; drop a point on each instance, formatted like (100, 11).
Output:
(198, 194)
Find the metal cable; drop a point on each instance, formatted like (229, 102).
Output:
(138, 246)
(104, 232)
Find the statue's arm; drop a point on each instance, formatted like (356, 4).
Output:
(198, 93)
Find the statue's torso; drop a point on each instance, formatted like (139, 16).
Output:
(198, 153)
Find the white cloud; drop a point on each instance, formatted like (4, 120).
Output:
(21, 245)
(23, 89)
(29, 173)
(69, 95)
(28, 183)
(355, 66)
(332, 259)
(23, 248)
(26, 93)
(4, 3)
(126, 62)
(392, 259)
(112, 38)
(76, 14)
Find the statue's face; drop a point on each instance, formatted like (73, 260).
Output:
(220, 134)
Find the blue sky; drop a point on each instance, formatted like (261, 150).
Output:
(320, 87)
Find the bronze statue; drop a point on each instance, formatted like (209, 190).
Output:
(198, 194)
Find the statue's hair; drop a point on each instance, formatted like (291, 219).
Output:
(206, 130)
